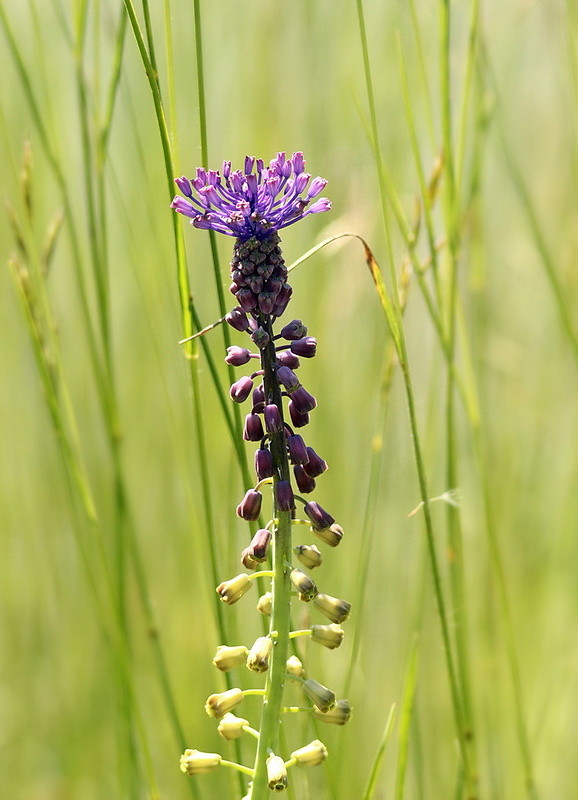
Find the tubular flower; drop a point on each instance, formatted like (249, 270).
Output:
(329, 636)
(231, 727)
(338, 715)
(311, 755)
(217, 705)
(253, 201)
(333, 608)
(322, 697)
(231, 591)
(276, 774)
(259, 654)
(294, 667)
(194, 762)
(227, 658)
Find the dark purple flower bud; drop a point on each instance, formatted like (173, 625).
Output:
(284, 295)
(250, 506)
(294, 330)
(288, 378)
(274, 285)
(237, 319)
(255, 283)
(253, 430)
(241, 389)
(320, 519)
(306, 347)
(303, 401)
(297, 450)
(285, 358)
(256, 553)
(259, 399)
(264, 464)
(284, 495)
(261, 338)
(237, 356)
(246, 299)
(273, 421)
(266, 302)
(238, 280)
(298, 419)
(305, 482)
(316, 465)
(260, 543)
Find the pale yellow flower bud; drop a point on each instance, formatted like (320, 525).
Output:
(311, 755)
(193, 762)
(338, 715)
(332, 607)
(264, 604)
(309, 555)
(231, 727)
(259, 654)
(329, 636)
(217, 705)
(304, 585)
(232, 591)
(322, 697)
(295, 667)
(331, 536)
(276, 774)
(228, 657)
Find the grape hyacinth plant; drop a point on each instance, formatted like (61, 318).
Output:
(253, 205)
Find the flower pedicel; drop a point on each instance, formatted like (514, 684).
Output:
(253, 205)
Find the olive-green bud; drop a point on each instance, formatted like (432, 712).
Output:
(322, 697)
(329, 636)
(332, 607)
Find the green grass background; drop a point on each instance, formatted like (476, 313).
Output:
(83, 713)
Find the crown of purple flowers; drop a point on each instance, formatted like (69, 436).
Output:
(252, 202)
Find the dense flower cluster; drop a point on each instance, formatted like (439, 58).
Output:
(253, 201)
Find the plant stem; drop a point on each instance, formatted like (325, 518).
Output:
(281, 584)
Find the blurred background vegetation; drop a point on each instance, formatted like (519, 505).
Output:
(106, 572)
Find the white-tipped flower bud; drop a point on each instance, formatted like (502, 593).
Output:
(259, 654)
(304, 585)
(264, 604)
(276, 774)
(231, 727)
(332, 607)
(329, 636)
(322, 697)
(194, 762)
(309, 555)
(338, 715)
(217, 705)
(311, 755)
(228, 657)
(294, 667)
(232, 591)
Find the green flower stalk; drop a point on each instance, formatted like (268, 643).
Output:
(253, 205)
